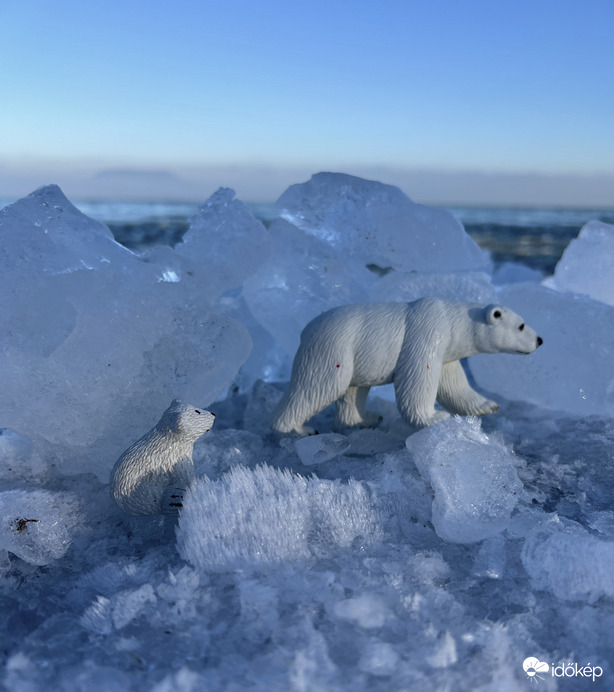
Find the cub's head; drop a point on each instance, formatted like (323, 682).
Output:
(506, 332)
(187, 421)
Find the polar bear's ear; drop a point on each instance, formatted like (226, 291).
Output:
(494, 314)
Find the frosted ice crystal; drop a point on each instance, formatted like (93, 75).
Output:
(367, 611)
(130, 604)
(265, 516)
(380, 659)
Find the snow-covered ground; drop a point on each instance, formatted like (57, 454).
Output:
(364, 560)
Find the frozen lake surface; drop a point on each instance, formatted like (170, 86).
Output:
(370, 559)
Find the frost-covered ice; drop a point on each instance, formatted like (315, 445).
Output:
(235, 522)
(362, 560)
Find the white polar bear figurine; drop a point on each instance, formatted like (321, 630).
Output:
(417, 346)
(152, 475)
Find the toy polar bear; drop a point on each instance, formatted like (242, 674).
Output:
(417, 346)
(151, 476)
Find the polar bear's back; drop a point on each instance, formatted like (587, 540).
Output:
(364, 338)
(356, 322)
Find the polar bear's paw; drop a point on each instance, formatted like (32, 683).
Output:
(172, 500)
(418, 423)
(298, 431)
(305, 430)
(437, 417)
(487, 407)
(346, 418)
(370, 420)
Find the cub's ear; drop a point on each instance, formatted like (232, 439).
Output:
(494, 314)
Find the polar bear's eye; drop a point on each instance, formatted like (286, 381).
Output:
(521, 327)
(197, 411)
(497, 314)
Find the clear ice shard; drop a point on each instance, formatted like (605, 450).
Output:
(377, 224)
(587, 265)
(473, 478)
(92, 334)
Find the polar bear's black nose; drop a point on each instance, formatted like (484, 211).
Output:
(540, 341)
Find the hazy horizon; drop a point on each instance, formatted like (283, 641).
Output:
(264, 184)
(458, 103)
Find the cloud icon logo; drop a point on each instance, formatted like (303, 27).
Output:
(532, 666)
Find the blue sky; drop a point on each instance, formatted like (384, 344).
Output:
(497, 86)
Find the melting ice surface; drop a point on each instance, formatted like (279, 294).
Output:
(353, 560)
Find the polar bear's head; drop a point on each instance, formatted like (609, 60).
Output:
(189, 422)
(506, 332)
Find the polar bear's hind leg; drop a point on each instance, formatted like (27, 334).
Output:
(292, 412)
(313, 387)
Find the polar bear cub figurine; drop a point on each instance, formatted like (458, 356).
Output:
(152, 475)
(417, 346)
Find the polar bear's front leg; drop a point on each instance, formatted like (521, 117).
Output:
(455, 393)
(352, 410)
(415, 385)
